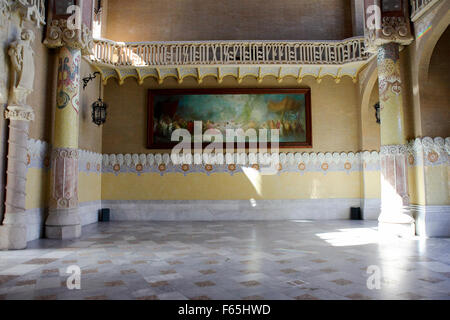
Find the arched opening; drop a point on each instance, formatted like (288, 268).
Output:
(435, 91)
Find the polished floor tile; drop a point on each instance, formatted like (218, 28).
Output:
(299, 260)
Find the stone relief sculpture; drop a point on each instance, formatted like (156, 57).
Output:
(22, 60)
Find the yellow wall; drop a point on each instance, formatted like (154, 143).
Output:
(334, 111)
(416, 185)
(89, 187)
(223, 186)
(372, 185)
(334, 128)
(37, 188)
(437, 185)
(90, 136)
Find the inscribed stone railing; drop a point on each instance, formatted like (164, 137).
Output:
(229, 52)
(419, 7)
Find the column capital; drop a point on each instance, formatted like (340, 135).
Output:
(59, 34)
(23, 113)
(386, 21)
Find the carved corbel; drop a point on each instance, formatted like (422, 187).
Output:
(386, 21)
(59, 34)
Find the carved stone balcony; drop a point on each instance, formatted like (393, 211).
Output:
(236, 58)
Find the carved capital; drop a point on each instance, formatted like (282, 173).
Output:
(64, 193)
(59, 35)
(393, 29)
(23, 113)
(386, 21)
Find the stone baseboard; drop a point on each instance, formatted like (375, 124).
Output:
(232, 210)
(88, 212)
(371, 208)
(432, 221)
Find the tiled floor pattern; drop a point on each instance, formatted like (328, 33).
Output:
(229, 260)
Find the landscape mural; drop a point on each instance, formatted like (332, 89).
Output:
(286, 110)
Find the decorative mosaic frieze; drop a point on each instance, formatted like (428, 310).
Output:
(38, 154)
(235, 163)
(90, 162)
(394, 150)
(429, 152)
(39, 157)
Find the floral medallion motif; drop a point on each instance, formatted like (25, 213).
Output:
(208, 168)
(433, 157)
(88, 166)
(232, 167)
(324, 166)
(348, 166)
(255, 166)
(185, 167)
(139, 167)
(116, 167)
(162, 167)
(302, 167)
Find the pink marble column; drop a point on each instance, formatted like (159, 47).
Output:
(13, 232)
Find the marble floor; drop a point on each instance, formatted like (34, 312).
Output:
(230, 260)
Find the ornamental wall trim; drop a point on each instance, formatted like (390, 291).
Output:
(421, 151)
(429, 152)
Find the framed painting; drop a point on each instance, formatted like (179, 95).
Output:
(288, 110)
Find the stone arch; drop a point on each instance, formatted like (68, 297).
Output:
(425, 46)
(432, 74)
(369, 88)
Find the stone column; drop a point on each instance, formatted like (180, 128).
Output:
(64, 221)
(14, 229)
(13, 232)
(395, 217)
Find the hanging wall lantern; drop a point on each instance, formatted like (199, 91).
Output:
(99, 112)
(377, 112)
(98, 107)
